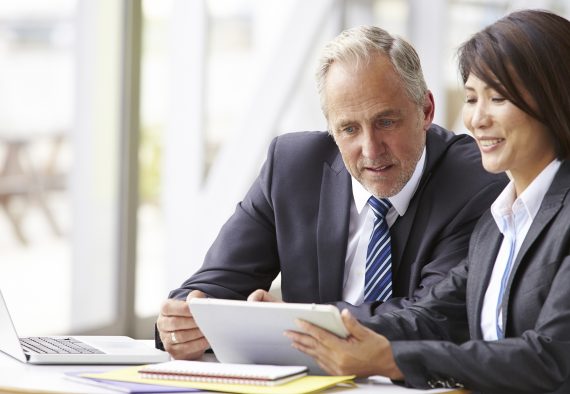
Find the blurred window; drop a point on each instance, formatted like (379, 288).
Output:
(59, 133)
(37, 68)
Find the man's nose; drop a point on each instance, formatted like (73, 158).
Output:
(372, 145)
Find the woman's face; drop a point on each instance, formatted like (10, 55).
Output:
(509, 139)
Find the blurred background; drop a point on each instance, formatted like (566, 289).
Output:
(129, 130)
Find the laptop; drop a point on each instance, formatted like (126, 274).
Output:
(73, 349)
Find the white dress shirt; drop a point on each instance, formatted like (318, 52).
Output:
(513, 217)
(360, 229)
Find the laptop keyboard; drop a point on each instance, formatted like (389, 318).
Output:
(51, 345)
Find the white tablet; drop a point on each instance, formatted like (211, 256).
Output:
(252, 332)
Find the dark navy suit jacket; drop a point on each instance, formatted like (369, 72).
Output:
(295, 219)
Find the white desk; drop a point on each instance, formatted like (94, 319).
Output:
(17, 377)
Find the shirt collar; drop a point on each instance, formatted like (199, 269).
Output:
(400, 201)
(529, 200)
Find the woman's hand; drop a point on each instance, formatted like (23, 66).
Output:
(362, 353)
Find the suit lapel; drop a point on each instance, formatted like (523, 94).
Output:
(400, 231)
(332, 229)
(402, 228)
(551, 205)
(483, 258)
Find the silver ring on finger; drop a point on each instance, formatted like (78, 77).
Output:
(173, 337)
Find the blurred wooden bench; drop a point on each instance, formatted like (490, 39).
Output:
(23, 177)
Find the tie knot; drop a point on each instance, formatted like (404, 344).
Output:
(379, 206)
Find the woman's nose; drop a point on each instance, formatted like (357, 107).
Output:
(480, 117)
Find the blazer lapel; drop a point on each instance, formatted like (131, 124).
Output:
(484, 253)
(332, 229)
(549, 208)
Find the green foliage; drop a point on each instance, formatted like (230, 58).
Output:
(150, 162)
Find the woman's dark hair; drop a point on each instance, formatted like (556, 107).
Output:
(526, 53)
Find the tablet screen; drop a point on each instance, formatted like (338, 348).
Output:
(252, 332)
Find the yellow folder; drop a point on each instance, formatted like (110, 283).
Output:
(307, 384)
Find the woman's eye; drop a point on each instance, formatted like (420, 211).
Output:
(498, 99)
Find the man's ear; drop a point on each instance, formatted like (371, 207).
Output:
(428, 109)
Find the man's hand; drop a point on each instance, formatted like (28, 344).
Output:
(362, 353)
(178, 330)
(262, 296)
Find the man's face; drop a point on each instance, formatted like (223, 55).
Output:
(379, 130)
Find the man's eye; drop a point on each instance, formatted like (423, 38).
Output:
(348, 130)
(386, 123)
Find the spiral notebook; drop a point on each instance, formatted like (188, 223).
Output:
(211, 372)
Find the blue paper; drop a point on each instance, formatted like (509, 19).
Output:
(125, 387)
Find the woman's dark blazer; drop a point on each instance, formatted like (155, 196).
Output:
(535, 356)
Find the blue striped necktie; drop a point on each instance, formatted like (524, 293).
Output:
(378, 277)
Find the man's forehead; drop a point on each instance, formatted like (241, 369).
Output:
(342, 117)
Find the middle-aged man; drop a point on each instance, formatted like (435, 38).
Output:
(308, 214)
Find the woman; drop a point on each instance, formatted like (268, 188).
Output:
(513, 290)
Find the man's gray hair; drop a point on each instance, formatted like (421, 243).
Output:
(359, 44)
